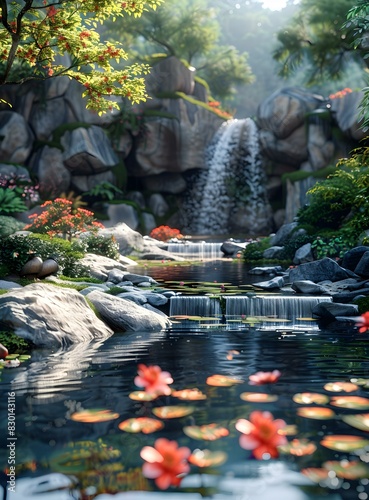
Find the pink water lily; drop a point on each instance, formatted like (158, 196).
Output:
(153, 379)
(261, 434)
(261, 378)
(166, 463)
(363, 322)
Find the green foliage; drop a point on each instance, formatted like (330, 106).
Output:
(334, 247)
(15, 251)
(34, 34)
(10, 202)
(104, 191)
(293, 244)
(115, 290)
(101, 245)
(15, 344)
(254, 251)
(9, 225)
(363, 304)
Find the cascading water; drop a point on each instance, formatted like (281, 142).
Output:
(194, 306)
(201, 250)
(230, 195)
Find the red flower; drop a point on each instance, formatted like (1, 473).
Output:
(363, 322)
(260, 434)
(153, 379)
(261, 378)
(165, 463)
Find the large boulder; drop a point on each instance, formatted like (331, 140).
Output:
(51, 316)
(16, 138)
(319, 270)
(126, 315)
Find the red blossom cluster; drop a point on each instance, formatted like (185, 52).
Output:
(340, 93)
(165, 233)
(60, 218)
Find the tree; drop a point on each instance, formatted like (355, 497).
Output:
(319, 40)
(34, 34)
(190, 31)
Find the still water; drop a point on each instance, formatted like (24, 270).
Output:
(51, 388)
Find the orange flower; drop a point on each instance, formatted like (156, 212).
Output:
(165, 463)
(262, 378)
(260, 434)
(363, 322)
(153, 379)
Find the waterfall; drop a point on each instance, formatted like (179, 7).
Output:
(194, 306)
(230, 195)
(284, 309)
(201, 250)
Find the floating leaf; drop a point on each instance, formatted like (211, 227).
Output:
(353, 402)
(209, 432)
(348, 470)
(344, 442)
(358, 421)
(12, 356)
(94, 416)
(306, 398)
(24, 357)
(189, 394)
(142, 396)
(316, 412)
(340, 387)
(316, 474)
(258, 397)
(145, 425)
(207, 458)
(298, 447)
(288, 430)
(173, 411)
(222, 381)
(361, 381)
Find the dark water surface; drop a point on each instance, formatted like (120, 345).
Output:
(51, 387)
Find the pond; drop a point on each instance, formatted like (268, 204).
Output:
(73, 409)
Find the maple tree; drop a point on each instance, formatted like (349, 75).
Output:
(36, 35)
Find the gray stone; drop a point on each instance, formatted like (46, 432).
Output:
(273, 252)
(330, 310)
(136, 297)
(230, 247)
(352, 257)
(283, 234)
(277, 282)
(51, 316)
(54, 177)
(83, 183)
(266, 270)
(16, 138)
(319, 270)
(137, 197)
(119, 212)
(303, 254)
(148, 222)
(116, 275)
(167, 182)
(158, 205)
(309, 287)
(155, 299)
(138, 278)
(100, 266)
(362, 269)
(124, 315)
(8, 285)
(91, 288)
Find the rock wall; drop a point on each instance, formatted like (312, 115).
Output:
(67, 148)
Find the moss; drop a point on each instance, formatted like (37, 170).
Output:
(87, 279)
(363, 304)
(300, 175)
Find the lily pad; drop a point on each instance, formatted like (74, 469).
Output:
(358, 421)
(94, 416)
(315, 412)
(222, 381)
(209, 432)
(173, 411)
(353, 402)
(207, 458)
(351, 470)
(344, 442)
(298, 447)
(258, 397)
(142, 396)
(146, 425)
(341, 387)
(310, 397)
(189, 394)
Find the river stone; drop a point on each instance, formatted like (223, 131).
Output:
(330, 310)
(51, 316)
(352, 257)
(7, 285)
(303, 254)
(307, 286)
(136, 297)
(362, 269)
(124, 315)
(283, 234)
(319, 270)
(101, 266)
(277, 282)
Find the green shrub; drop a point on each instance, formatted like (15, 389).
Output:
(15, 251)
(294, 244)
(363, 304)
(334, 247)
(10, 201)
(101, 245)
(15, 344)
(254, 251)
(9, 225)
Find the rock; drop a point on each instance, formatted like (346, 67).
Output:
(51, 316)
(100, 266)
(49, 266)
(273, 252)
(124, 315)
(346, 113)
(170, 75)
(138, 278)
(87, 151)
(32, 267)
(8, 285)
(136, 297)
(54, 178)
(81, 183)
(319, 270)
(277, 282)
(158, 205)
(330, 310)
(231, 247)
(362, 269)
(137, 197)
(155, 299)
(303, 254)
(352, 258)
(119, 212)
(283, 235)
(16, 138)
(166, 182)
(148, 223)
(266, 270)
(309, 287)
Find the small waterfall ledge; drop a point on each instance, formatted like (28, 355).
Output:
(201, 250)
(266, 312)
